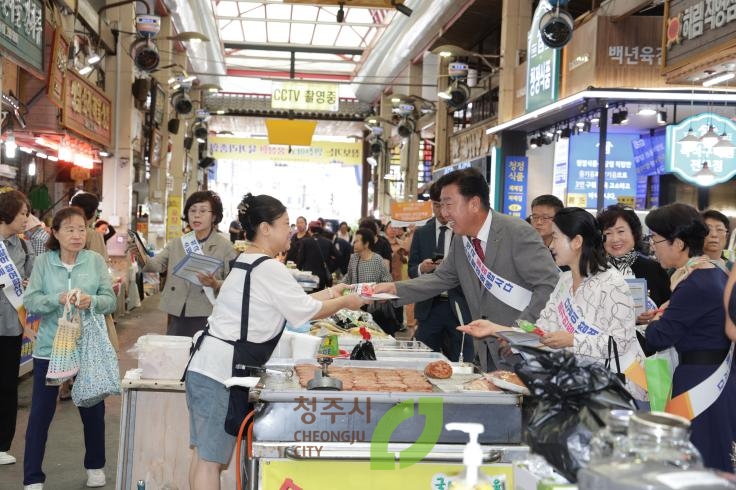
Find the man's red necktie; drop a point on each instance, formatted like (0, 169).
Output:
(478, 248)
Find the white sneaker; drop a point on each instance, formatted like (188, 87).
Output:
(96, 478)
(6, 458)
(33, 486)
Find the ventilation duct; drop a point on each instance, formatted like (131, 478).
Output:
(389, 57)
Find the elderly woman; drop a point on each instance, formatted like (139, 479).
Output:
(65, 267)
(265, 291)
(14, 208)
(189, 304)
(693, 323)
(621, 238)
(718, 226)
(591, 308)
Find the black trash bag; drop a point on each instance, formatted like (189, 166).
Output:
(363, 350)
(571, 401)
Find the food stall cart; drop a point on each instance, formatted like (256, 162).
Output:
(362, 439)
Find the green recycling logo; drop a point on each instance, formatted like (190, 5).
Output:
(431, 409)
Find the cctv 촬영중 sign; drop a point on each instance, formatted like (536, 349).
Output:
(686, 159)
(542, 66)
(305, 96)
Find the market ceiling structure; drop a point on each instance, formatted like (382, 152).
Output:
(350, 44)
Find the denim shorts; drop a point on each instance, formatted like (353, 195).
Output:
(207, 400)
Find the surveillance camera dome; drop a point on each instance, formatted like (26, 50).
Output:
(406, 127)
(181, 102)
(376, 147)
(459, 92)
(145, 54)
(556, 28)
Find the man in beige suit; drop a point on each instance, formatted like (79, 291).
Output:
(505, 271)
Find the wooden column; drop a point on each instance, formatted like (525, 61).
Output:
(410, 157)
(515, 22)
(443, 123)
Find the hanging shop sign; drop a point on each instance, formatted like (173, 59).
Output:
(86, 111)
(516, 173)
(560, 166)
(620, 178)
(471, 144)
(542, 65)
(21, 32)
(255, 149)
(57, 69)
(702, 161)
(410, 212)
(305, 96)
(695, 29)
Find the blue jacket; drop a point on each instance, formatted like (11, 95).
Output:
(50, 278)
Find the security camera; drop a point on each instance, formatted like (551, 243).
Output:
(145, 54)
(206, 162)
(406, 127)
(556, 27)
(456, 95)
(376, 145)
(181, 102)
(200, 131)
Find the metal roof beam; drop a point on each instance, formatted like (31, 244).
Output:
(293, 48)
(301, 21)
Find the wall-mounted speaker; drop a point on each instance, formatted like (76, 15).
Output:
(141, 88)
(174, 126)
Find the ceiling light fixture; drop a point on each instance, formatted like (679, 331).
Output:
(710, 138)
(705, 175)
(646, 111)
(719, 78)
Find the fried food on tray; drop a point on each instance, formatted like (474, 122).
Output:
(438, 370)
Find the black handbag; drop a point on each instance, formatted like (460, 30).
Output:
(613, 347)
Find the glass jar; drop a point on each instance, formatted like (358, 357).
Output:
(660, 437)
(606, 443)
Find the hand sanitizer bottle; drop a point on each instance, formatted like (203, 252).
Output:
(472, 478)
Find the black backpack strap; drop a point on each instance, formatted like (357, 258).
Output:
(245, 309)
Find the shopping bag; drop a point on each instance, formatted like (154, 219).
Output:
(99, 374)
(64, 360)
(659, 380)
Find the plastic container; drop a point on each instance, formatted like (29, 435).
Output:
(606, 444)
(162, 356)
(304, 346)
(471, 477)
(662, 438)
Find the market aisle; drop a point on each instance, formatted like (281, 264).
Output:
(63, 463)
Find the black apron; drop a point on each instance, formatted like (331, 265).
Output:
(248, 357)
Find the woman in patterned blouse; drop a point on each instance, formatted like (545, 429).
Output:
(365, 265)
(591, 302)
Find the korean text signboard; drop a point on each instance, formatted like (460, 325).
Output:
(686, 159)
(620, 179)
(87, 110)
(542, 65)
(305, 96)
(256, 149)
(516, 173)
(697, 28)
(21, 32)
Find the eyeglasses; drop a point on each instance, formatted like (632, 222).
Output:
(541, 218)
(717, 230)
(650, 239)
